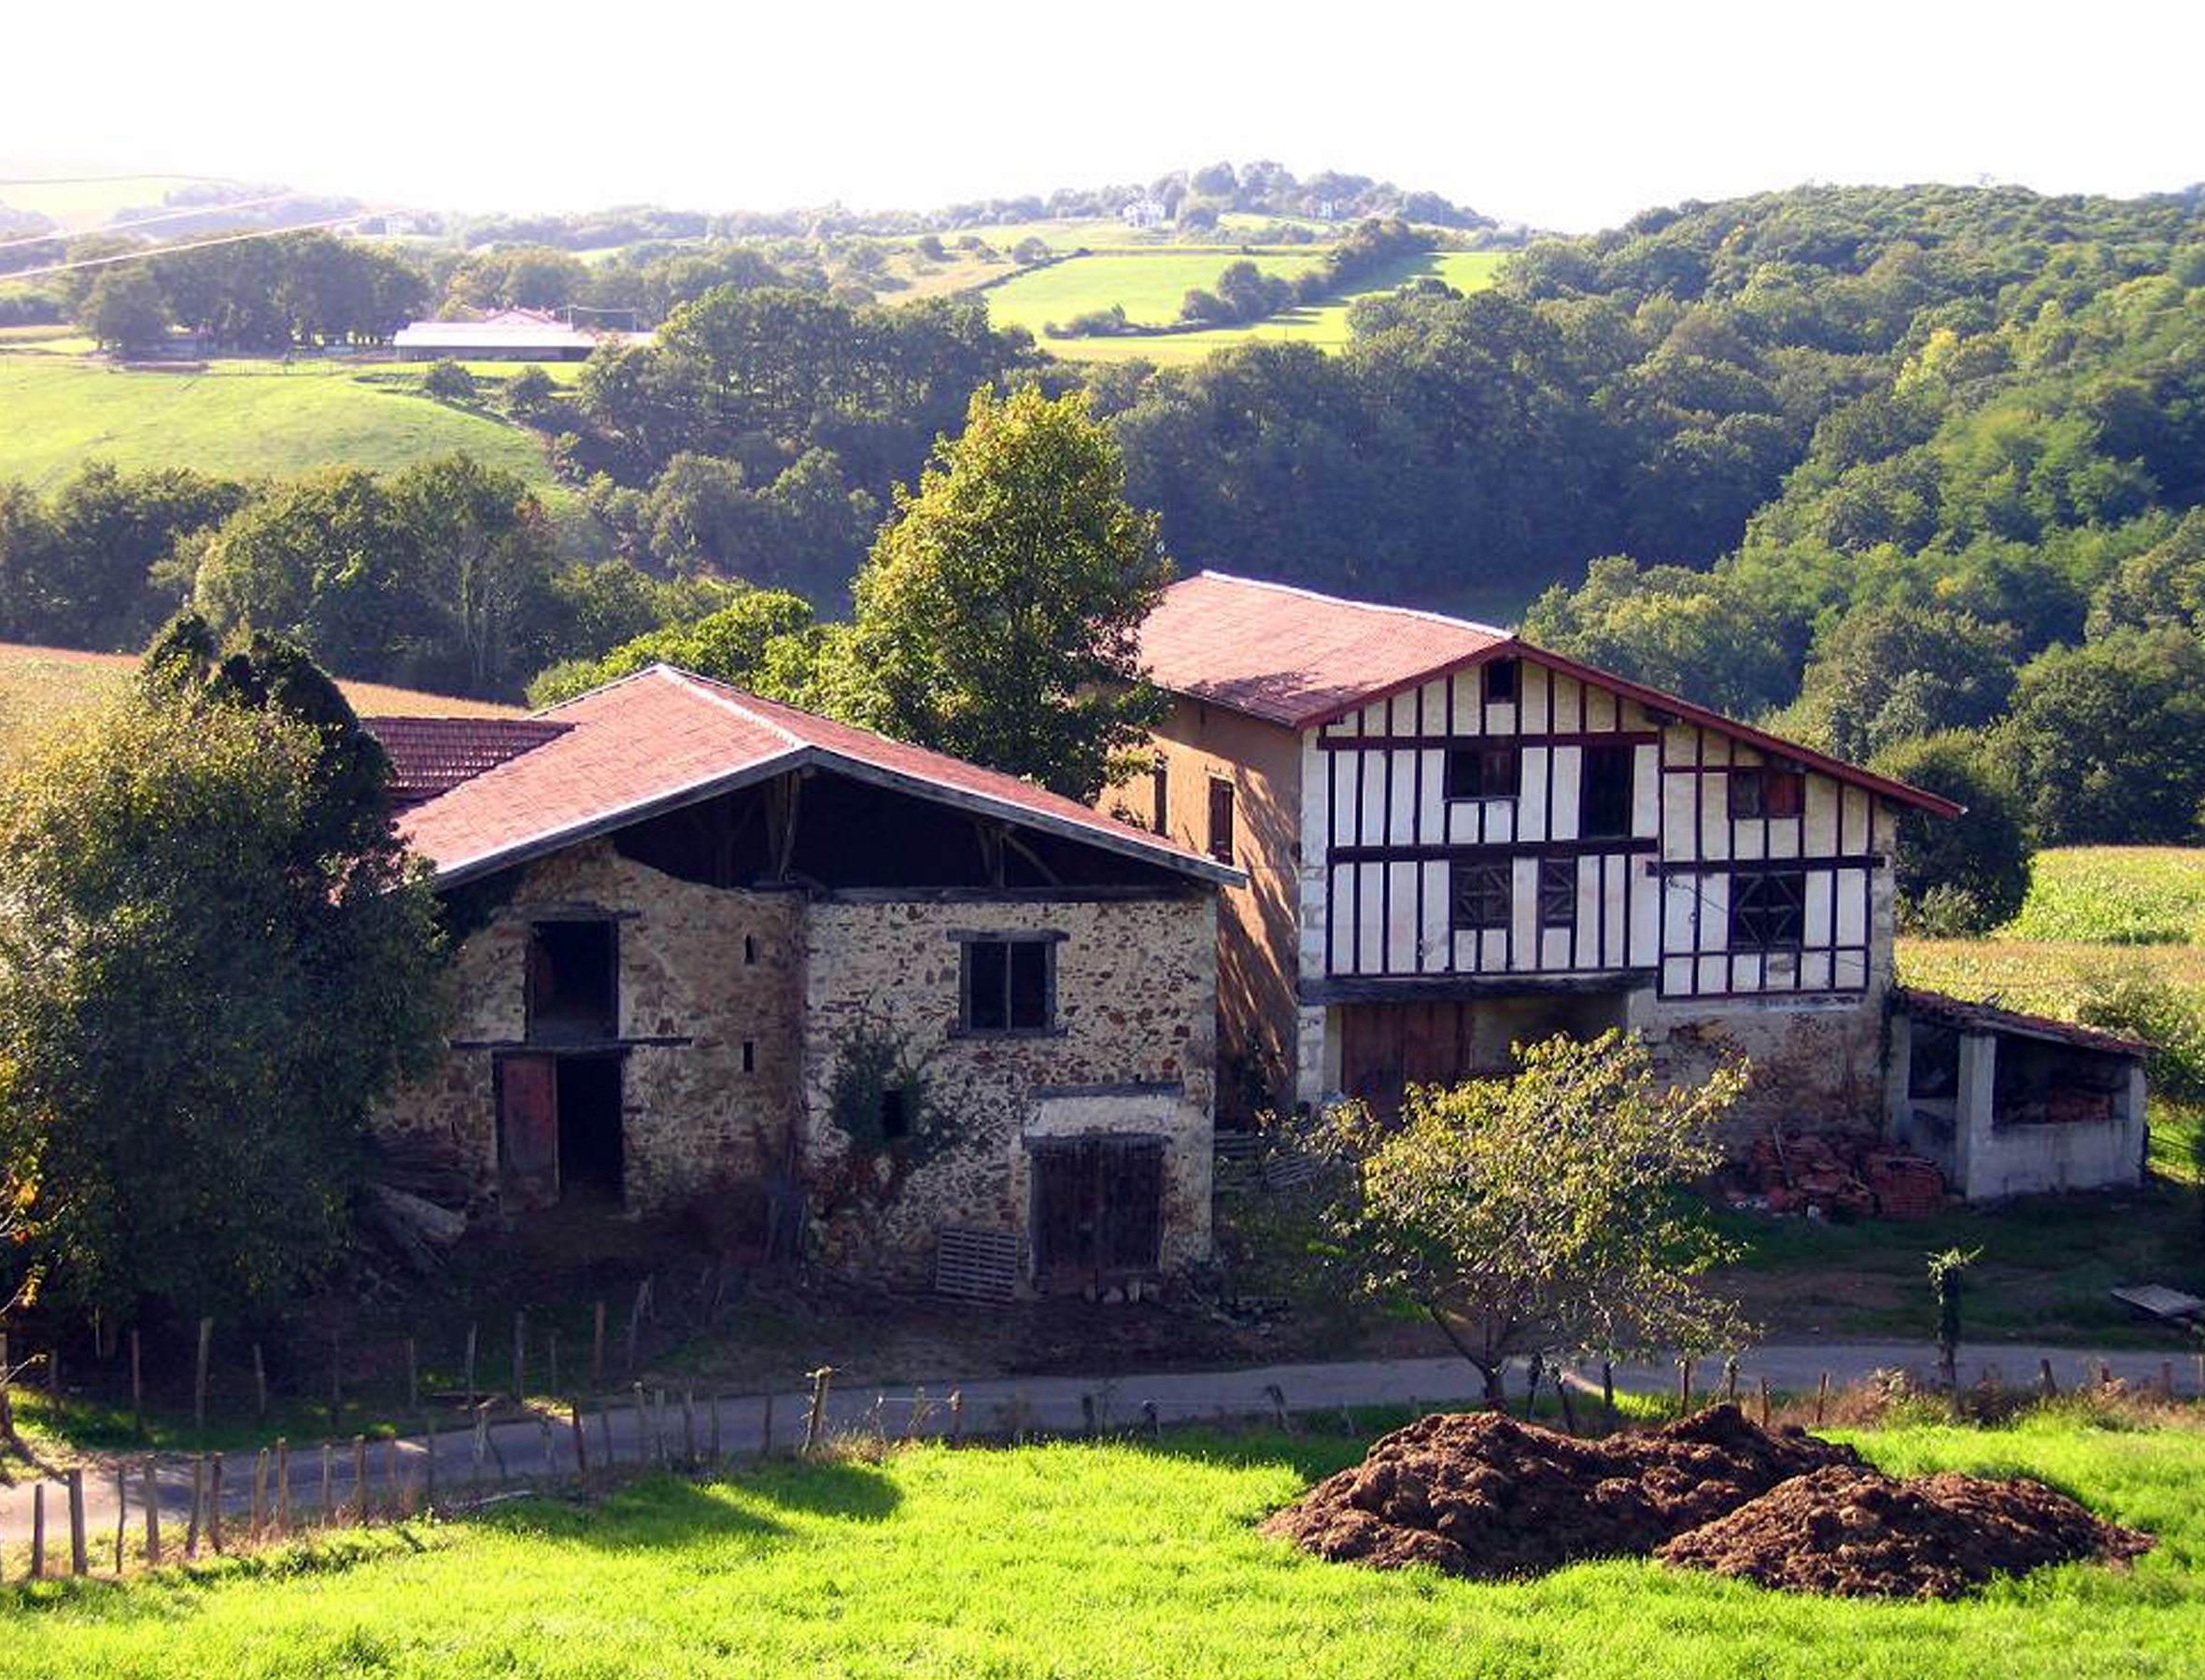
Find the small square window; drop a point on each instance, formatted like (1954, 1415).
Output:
(1500, 680)
(1763, 792)
(1483, 772)
(1558, 893)
(1606, 791)
(1480, 896)
(1008, 985)
(1768, 910)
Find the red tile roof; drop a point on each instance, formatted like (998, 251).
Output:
(665, 738)
(1989, 1017)
(429, 755)
(1293, 656)
(1297, 658)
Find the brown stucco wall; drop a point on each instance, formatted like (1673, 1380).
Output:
(1136, 1006)
(1257, 938)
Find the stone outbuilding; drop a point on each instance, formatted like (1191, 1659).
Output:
(722, 957)
(2008, 1104)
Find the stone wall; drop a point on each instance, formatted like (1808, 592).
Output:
(706, 969)
(1136, 989)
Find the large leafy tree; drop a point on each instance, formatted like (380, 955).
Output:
(1536, 1215)
(1963, 874)
(997, 616)
(214, 955)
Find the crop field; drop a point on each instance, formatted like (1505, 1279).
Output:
(1322, 325)
(1106, 1559)
(39, 685)
(240, 418)
(80, 205)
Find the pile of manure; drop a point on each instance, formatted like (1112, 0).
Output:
(1484, 1496)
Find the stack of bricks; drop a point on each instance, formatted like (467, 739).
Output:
(1843, 1178)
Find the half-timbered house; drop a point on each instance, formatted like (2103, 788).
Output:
(724, 955)
(1455, 842)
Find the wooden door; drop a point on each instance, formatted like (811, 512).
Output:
(1098, 1211)
(528, 1130)
(1386, 1046)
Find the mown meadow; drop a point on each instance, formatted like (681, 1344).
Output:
(1074, 1558)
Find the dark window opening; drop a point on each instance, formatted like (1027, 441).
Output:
(1768, 910)
(591, 1151)
(895, 1119)
(1160, 783)
(750, 1055)
(1500, 680)
(750, 949)
(1605, 794)
(573, 982)
(1008, 985)
(1767, 793)
(1221, 819)
(1480, 896)
(1558, 893)
(1483, 772)
(1933, 1062)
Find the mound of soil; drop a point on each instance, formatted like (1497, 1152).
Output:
(1480, 1494)
(1853, 1532)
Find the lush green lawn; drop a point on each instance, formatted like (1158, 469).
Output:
(242, 417)
(1110, 1560)
(1150, 284)
(1324, 326)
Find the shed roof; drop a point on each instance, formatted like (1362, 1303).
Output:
(664, 738)
(1297, 658)
(429, 755)
(1971, 1017)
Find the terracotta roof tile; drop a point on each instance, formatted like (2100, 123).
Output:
(429, 755)
(663, 737)
(1989, 1017)
(1293, 656)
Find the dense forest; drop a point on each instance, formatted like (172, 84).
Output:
(1878, 465)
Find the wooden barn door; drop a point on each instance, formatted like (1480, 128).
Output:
(1099, 1210)
(528, 1130)
(1386, 1046)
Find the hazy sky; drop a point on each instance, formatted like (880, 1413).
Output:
(1568, 114)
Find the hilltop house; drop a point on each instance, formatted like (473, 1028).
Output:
(721, 954)
(1454, 841)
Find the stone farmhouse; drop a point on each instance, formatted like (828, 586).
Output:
(1454, 841)
(722, 955)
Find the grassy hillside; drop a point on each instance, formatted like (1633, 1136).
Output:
(1324, 326)
(1107, 1559)
(41, 685)
(239, 417)
(81, 204)
(1150, 284)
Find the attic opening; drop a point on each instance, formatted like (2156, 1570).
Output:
(573, 982)
(592, 1148)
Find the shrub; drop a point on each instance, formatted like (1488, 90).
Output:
(1957, 875)
(2135, 1001)
(528, 390)
(449, 382)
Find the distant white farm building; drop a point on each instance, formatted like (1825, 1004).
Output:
(508, 336)
(1144, 213)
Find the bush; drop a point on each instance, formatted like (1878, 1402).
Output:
(1957, 875)
(528, 390)
(449, 382)
(2135, 1001)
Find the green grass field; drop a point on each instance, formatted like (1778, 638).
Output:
(242, 417)
(1106, 1559)
(1324, 325)
(84, 203)
(1151, 285)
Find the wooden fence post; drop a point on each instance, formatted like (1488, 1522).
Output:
(152, 1476)
(1764, 1402)
(1607, 1390)
(121, 1514)
(260, 1508)
(1821, 1399)
(956, 1416)
(360, 1477)
(604, 1436)
(283, 1486)
(214, 1501)
(2166, 1380)
(393, 1474)
(819, 1378)
(1684, 1387)
(2046, 1382)
(428, 1466)
(198, 1496)
(38, 1531)
(597, 1349)
(1731, 1381)
(1569, 1409)
(7, 1403)
(329, 1485)
(206, 1336)
(581, 1447)
(689, 1427)
(480, 1447)
(79, 1563)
